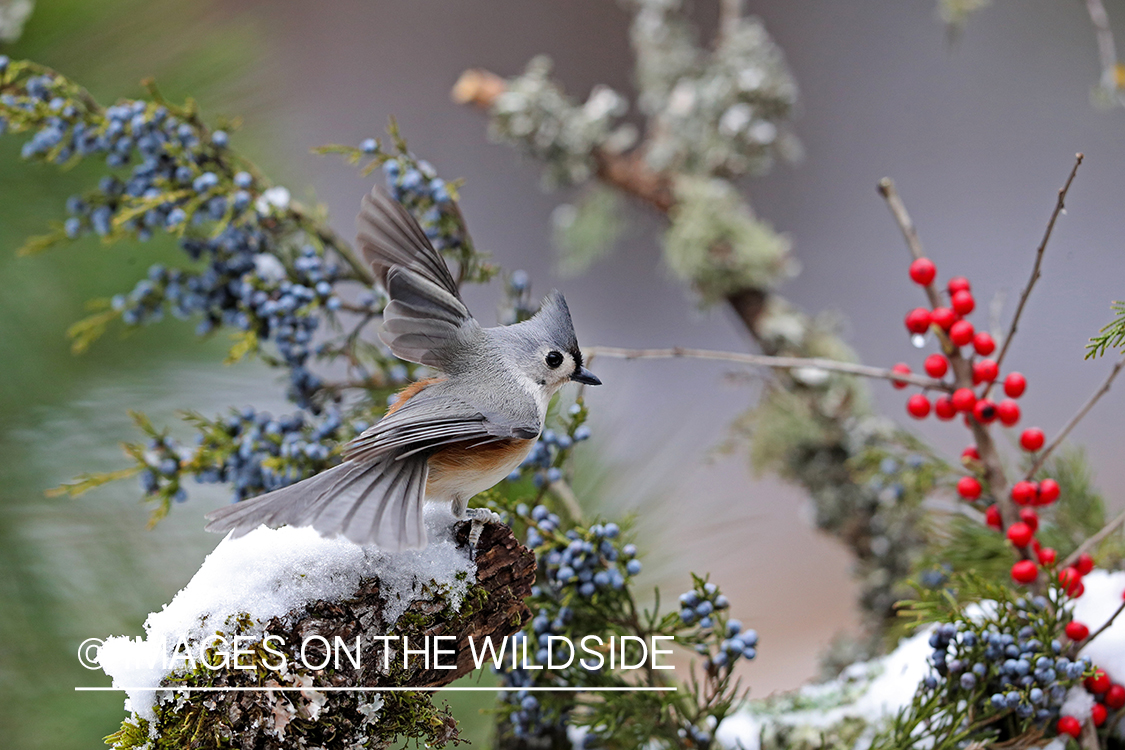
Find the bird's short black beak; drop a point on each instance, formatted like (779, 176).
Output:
(582, 375)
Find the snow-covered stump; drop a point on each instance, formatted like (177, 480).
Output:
(294, 622)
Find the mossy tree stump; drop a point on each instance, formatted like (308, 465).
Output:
(301, 713)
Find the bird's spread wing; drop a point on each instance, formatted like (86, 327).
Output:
(368, 503)
(375, 495)
(428, 421)
(426, 318)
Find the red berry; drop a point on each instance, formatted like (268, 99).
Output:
(1008, 411)
(970, 453)
(944, 408)
(1084, 564)
(961, 332)
(918, 406)
(918, 320)
(985, 371)
(1048, 491)
(1019, 534)
(1080, 590)
(1032, 439)
(1098, 714)
(901, 367)
(968, 488)
(984, 411)
(962, 302)
(936, 365)
(922, 271)
(1047, 556)
(1014, 385)
(992, 517)
(1077, 631)
(1098, 683)
(943, 318)
(984, 344)
(1115, 697)
(958, 284)
(1069, 725)
(964, 399)
(1025, 571)
(1070, 579)
(1024, 493)
(1031, 518)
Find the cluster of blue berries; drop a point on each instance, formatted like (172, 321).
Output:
(160, 476)
(518, 305)
(889, 482)
(739, 644)
(284, 306)
(724, 642)
(552, 449)
(177, 173)
(585, 562)
(415, 183)
(530, 718)
(258, 453)
(699, 736)
(1007, 671)
(699, 605)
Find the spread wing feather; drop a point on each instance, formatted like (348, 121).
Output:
(428, 421)
(376, 495)
(426, 319)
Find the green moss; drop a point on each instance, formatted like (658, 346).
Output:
(344, 720)
(716, 244)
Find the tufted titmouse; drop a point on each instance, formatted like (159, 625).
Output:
(447, 437)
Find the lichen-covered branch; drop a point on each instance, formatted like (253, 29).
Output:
(699, 137)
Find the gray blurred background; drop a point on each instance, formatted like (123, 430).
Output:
(978, 134)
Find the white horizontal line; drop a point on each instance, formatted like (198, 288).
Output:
(333, 688)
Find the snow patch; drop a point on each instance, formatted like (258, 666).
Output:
(1104, 592)
(268, 573)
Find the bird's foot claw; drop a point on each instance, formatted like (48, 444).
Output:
(478, 518)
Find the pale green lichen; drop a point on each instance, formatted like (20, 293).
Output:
(586, 230)
(535, 115)
(717, 245)
(723, 111)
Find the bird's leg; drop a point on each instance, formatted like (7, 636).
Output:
(478, 518)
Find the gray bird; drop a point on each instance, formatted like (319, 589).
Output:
(446, 438)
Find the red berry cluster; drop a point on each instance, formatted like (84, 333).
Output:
(977, 406)
(960, 333)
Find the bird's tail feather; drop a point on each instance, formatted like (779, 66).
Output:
(367, 503)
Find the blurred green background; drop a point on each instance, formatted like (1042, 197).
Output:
(73, 569)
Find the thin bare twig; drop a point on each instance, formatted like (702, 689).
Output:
(886, 188)
(1060, 204)
(765, 360)
(730, 13)
(1107, 51)
(1105, 626)
(1042, 458)
(1094, 540)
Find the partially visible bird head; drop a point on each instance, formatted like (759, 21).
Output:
(547, 349)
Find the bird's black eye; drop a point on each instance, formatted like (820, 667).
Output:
(554, 359)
